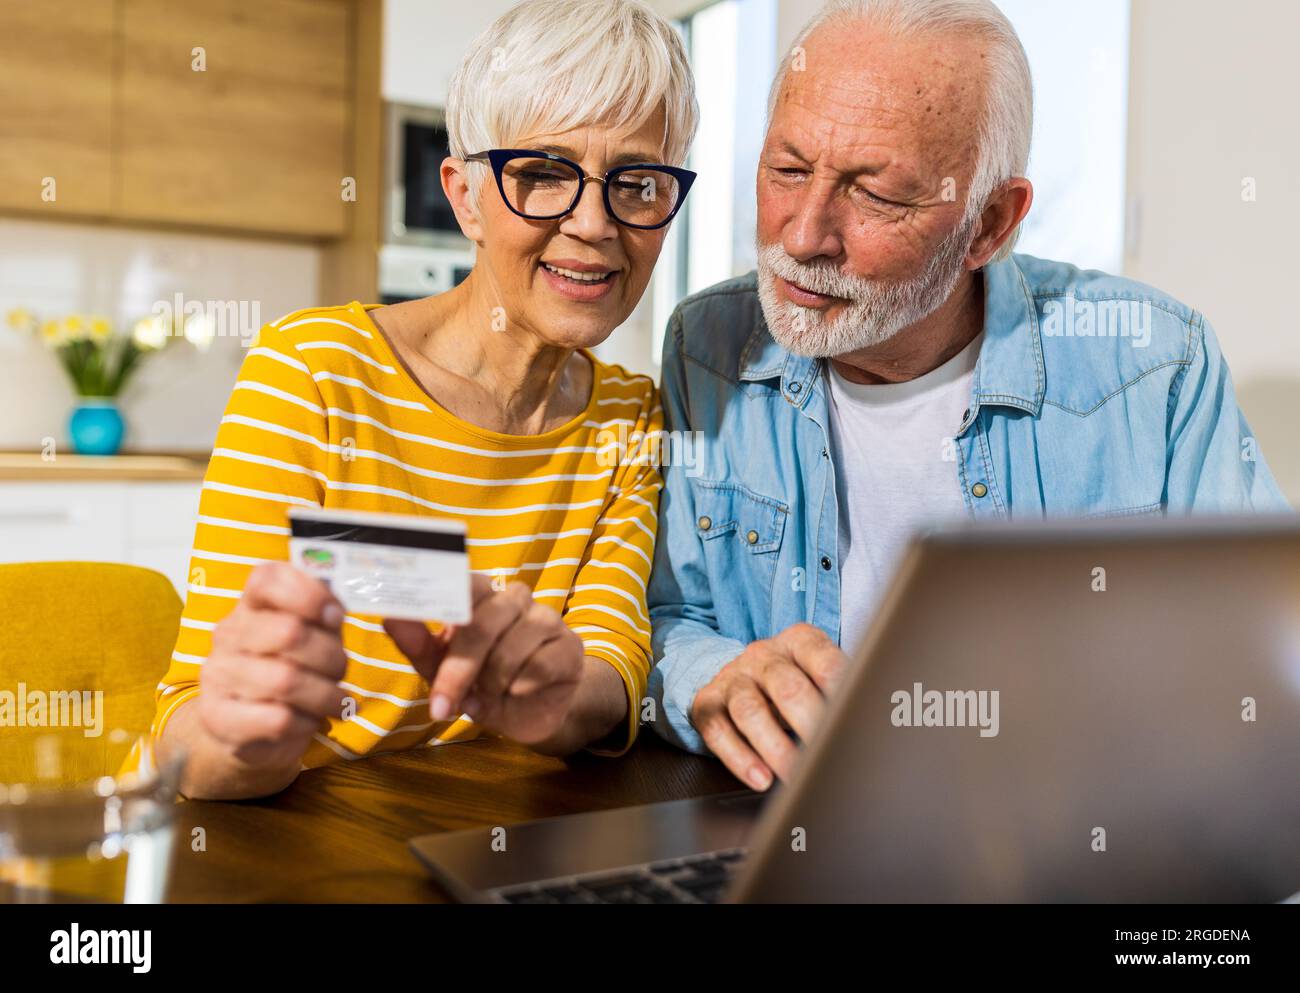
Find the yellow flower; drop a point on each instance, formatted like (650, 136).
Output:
(100, 329)
(76, 327)
(21, 319)
(54, 334)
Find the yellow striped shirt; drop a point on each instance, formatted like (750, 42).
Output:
(323, 414)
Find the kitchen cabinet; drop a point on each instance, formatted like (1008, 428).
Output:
(227, 114)
(255, 139)
(143, 523)
(56, 72)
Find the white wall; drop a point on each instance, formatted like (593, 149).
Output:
(54, 268)
(1213, 104)
(424, 41)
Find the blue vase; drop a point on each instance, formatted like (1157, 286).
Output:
(96, 427)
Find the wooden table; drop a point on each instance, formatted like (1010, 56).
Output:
(339, 834)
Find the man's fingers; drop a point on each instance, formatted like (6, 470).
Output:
(711, 720)
(279, 586)
(797, 700)
(754, 717)
(470, 646)
(815, 653)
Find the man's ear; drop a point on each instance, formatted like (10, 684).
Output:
(455, 177)
(1003, 213)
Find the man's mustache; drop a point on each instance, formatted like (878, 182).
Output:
(818, 277)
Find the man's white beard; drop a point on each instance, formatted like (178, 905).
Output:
(876, 310)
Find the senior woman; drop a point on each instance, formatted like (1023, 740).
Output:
(568, 121)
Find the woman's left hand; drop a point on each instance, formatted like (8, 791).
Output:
(514, 668)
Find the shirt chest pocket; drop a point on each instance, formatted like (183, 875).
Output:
(740, 532)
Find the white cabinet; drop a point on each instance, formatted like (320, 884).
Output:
(150, 524)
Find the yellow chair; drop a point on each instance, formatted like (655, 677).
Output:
(83, 628)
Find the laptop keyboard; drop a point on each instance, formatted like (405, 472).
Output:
(697, 879)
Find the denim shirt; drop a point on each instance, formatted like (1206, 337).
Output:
(1093, 396)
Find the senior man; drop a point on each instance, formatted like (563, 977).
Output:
(892, 365)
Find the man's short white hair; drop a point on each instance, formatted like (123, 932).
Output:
(1008, 124)
(549, 66)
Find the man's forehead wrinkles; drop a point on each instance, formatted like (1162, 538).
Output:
(815, 135)
(847, 115)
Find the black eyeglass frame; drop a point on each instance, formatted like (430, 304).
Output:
(498, 157)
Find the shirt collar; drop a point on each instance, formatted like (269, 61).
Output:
(1009, 371)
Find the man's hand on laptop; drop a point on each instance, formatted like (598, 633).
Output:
(774, 686)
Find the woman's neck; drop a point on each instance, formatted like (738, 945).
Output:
(469, 358)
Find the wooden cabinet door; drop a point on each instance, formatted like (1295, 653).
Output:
(234, 114)
(56, 96)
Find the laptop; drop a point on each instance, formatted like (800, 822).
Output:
(1062, 712)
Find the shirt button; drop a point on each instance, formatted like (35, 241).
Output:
(826, 563)
(979, 491)
(752, 537)
(796, 387)
(705, 523)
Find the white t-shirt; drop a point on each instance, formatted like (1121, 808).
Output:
(895, 473)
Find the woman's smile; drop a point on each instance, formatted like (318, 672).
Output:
(584, 282)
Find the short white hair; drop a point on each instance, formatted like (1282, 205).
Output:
(1007, 127)
(550, 66)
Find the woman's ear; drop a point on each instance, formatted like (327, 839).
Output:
(455, 184)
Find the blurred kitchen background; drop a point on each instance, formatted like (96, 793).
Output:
(254, 157)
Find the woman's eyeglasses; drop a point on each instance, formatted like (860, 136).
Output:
(542, 187)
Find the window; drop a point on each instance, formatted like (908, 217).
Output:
(1078, 54)
(732, 47)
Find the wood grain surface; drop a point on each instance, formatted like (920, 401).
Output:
(339, 834)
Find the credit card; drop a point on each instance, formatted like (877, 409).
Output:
(391, 565)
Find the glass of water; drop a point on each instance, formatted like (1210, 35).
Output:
(68, 835)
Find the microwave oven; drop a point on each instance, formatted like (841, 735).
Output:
(419, 213)
(424, 252)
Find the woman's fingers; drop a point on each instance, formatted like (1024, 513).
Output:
(470, 646)
(284, 635)
(239, 723)
(557, 661)
(516, 645)
(266, 679)
(537, 701)
(424, 648)
(278, 586)
(272, 674)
